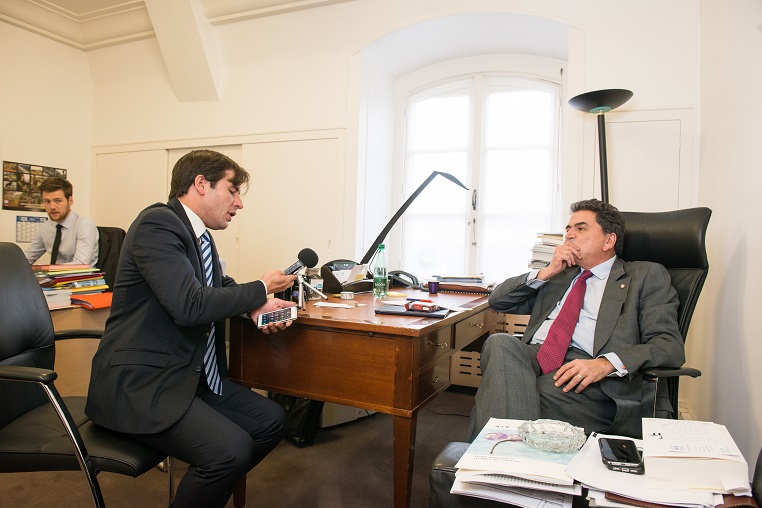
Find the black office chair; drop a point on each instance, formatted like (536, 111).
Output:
(675, 239)
(40, 430)
(109, 246)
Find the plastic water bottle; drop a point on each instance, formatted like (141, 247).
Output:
(380, 281)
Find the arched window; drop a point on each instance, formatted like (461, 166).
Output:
(498, 133)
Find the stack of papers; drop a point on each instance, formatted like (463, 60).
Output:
(57, 298)
(693, 455)
(500, 466)
(587, 468)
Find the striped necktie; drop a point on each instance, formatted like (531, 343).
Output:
(210, 358)
(553, 351)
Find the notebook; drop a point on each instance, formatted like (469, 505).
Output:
(400, 310)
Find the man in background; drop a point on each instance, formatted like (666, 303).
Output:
(160, 372)
(596, 321)
(69, 238)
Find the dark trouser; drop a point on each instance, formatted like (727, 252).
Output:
(221, 438)
(513, 386)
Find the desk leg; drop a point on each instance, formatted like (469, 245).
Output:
(404, 450)
(239, 493)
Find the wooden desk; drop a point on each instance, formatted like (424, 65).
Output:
(74, 356)
(391, 364)
(79, 318)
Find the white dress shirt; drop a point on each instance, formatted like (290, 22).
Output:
(79, 241)
(584, 332)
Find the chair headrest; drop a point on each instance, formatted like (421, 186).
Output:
(675, 239)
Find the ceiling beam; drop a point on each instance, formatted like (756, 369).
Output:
(189, 47)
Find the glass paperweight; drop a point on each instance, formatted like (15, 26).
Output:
(552, 435)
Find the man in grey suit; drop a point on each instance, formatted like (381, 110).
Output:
(160, 372)
(627, 321)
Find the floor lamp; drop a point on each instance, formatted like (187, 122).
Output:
(601, 102)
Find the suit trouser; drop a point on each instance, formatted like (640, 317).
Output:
(513, 386)
(221, 437)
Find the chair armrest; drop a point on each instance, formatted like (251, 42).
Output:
(667, 372)
(29, 374)
(78, 334)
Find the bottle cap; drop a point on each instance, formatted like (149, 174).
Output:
(380, 245)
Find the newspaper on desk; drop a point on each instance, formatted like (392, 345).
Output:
(587, 468)
(498, 465)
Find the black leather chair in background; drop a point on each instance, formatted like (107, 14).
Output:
(675, 239)
(109, 246)
(756, 482)
(40, 430)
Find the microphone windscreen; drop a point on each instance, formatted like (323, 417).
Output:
(309, 257)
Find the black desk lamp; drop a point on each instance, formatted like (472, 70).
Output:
(601, 102)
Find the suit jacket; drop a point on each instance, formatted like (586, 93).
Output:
(637, 320)
(151, 357)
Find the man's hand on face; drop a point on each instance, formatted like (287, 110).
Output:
(566, 255)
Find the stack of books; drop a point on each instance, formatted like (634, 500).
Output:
(463, 283)
(62, 282)
(543, 249)
(499, 466)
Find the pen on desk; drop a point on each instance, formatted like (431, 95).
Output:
(419, 300)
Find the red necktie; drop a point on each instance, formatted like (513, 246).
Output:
(553, 350)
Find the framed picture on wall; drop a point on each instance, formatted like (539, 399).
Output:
(21, 185)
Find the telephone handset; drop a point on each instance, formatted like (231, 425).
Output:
(400, 278)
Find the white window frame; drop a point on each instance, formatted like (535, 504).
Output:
(452, 75)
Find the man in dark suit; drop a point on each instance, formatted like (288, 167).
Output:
(160, 372)
(627, 321)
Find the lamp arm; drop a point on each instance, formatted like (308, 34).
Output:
(380, 238)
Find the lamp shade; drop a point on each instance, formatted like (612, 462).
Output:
(600, 101)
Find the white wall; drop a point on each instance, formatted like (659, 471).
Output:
(725, 343)
(45, 113)
(300, 72)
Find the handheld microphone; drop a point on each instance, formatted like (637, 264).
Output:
(307, 257)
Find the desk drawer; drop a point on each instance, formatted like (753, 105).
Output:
(435, 345)
(474, 327)
(433, 379)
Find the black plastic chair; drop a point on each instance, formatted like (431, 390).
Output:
(39, 429)
(109, 246)
(675, 239)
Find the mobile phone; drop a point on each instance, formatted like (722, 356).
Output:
(621, 455)
(276, 316)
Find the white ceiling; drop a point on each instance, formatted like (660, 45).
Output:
(91, 24)
(182, 28)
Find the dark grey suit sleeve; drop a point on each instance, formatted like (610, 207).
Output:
(161, 252)
(513, 296)
(661, 344)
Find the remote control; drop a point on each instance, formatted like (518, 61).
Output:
(276, 316)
